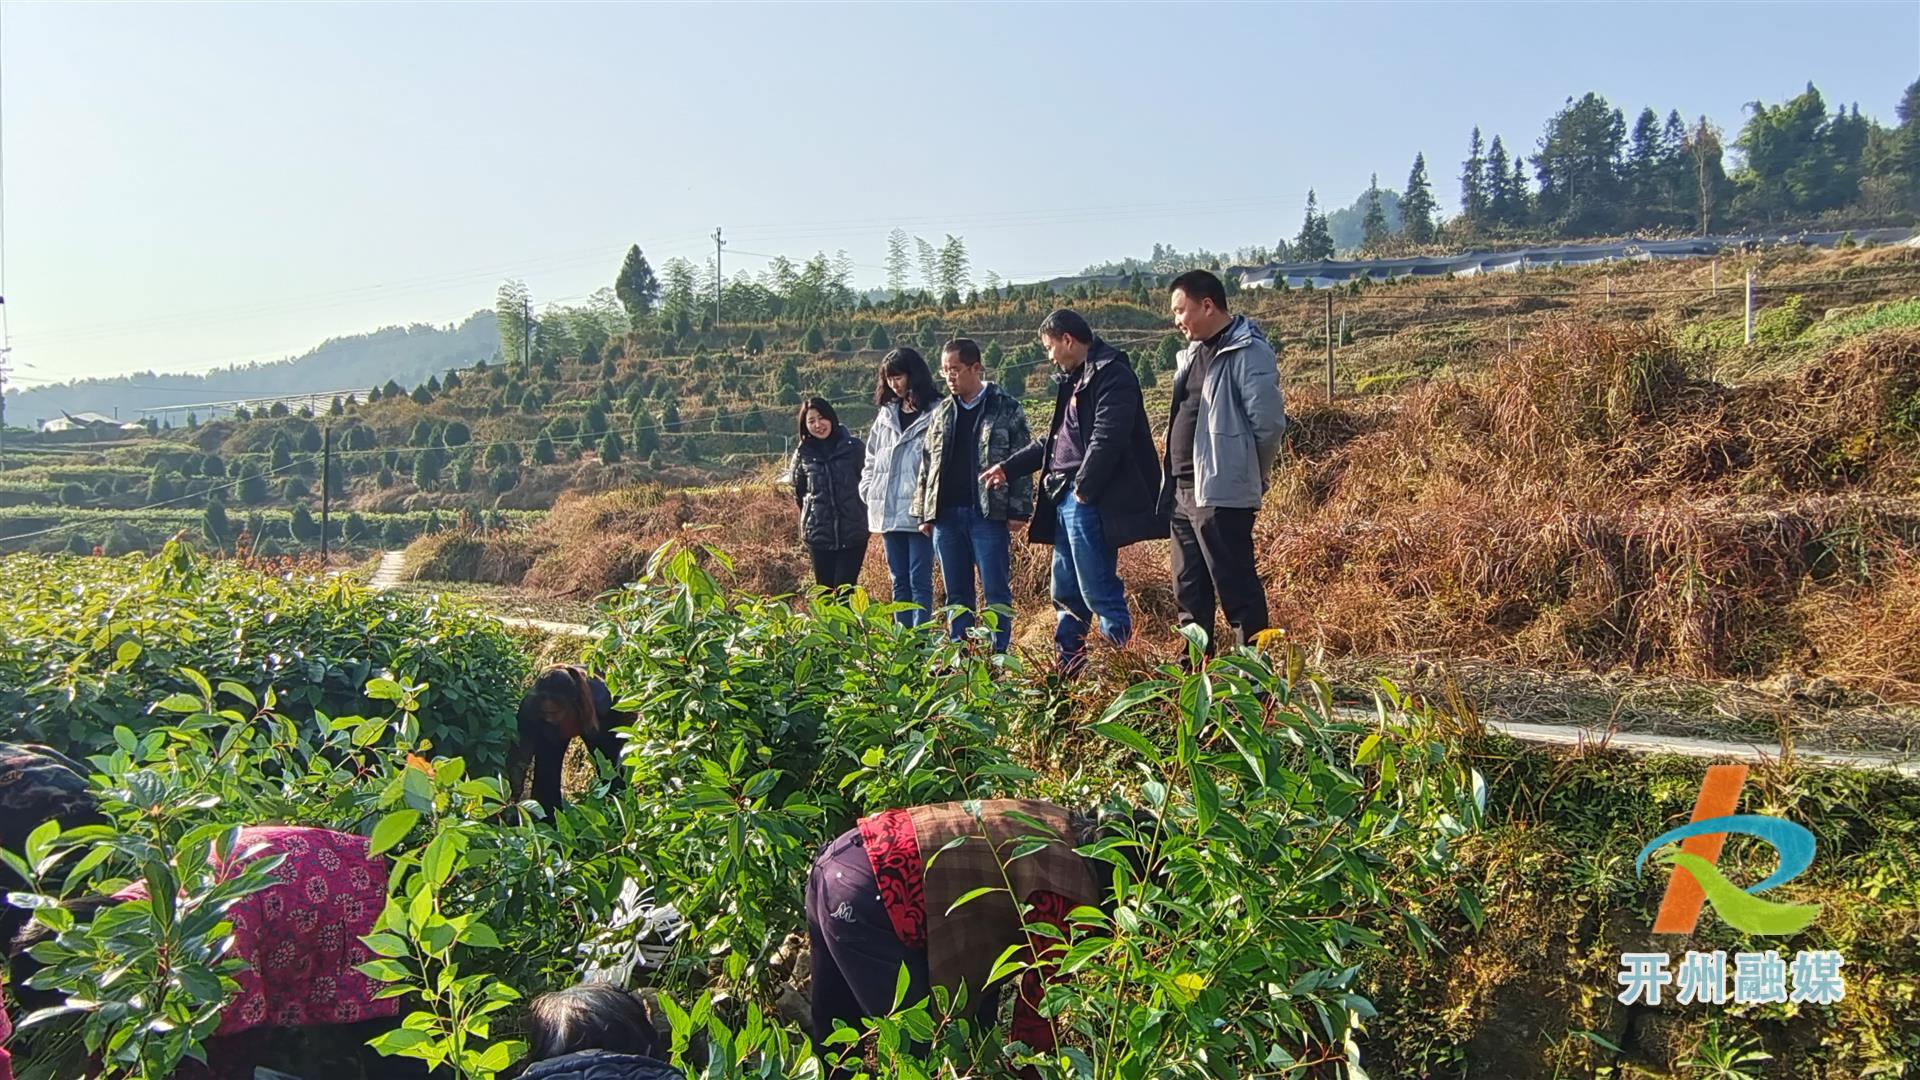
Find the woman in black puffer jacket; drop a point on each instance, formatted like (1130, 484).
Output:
(826, 485)
(593, 1031)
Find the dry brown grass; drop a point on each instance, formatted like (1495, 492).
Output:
(1870, 636)
(1589, 505)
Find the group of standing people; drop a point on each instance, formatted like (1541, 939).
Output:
(946, 476)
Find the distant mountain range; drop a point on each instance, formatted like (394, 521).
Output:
(406, 354)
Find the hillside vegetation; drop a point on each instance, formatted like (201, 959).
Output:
(597, 407)
(1626, 489)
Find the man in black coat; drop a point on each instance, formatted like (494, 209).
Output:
(1100, 481)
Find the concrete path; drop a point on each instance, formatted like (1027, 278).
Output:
(387, 574)
(1554, 734)
(392, 572)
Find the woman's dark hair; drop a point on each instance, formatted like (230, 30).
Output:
(1140, 827)
(590, 1016)
(38, 784)
(557, 692)
(920, 385)
(21, 966)
(819, 405)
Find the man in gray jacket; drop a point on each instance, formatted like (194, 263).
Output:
(1222, 440)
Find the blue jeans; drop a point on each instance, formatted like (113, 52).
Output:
(1086, 582)
(968, 542)
(910, 562)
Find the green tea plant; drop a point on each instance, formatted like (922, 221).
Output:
(766, 729)
(1286, 851)
(87, 643)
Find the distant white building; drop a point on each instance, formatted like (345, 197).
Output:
(86, 421)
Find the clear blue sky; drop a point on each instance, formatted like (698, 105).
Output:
(189, 186)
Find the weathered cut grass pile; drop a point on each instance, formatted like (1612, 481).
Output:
(1588, 503)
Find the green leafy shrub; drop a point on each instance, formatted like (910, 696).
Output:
(86, 643)
(1783, 322)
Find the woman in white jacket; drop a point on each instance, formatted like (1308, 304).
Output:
(905, 397)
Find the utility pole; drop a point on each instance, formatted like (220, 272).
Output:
(1329, 348)
(3, 405)
(326, 488)
(718, 276)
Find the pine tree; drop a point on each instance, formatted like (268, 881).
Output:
(1498, 185)
(787, 387)
(1144, 370)
(1579, 168)
(636, 287)
(610, 448)
(1473, 182)
(456, 433)
(646, 436)
(422, 395)
(303, 526)
(452, 381)
(1169, 351)
(1676, 171)
(427, 465)
(878, 339)
(1416, 206)
(1013, 378)
(1520, 197)
(1373, 224)
(1315, 240)
(756, 343)
(543, 449)
(253, 484)
(815, 341)
(214, 524)
(1643, 170)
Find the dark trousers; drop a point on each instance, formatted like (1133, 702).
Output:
(835, 568)
(1213, 554)
(856, 953)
